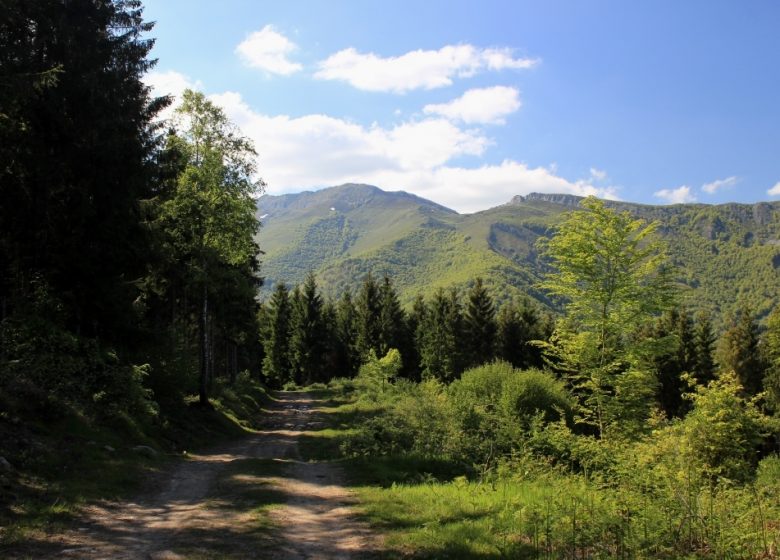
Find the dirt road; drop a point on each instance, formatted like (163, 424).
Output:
(253, 498)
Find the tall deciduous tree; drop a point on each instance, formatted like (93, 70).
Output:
(210, 219)
(610, 274)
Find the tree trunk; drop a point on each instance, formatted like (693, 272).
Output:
(204, 349)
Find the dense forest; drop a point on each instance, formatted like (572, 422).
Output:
(130, 269)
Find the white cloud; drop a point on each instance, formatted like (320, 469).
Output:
(169, 83)
(774, 191)
(313, 151)
(268, 50)
(416, 69)
(719, 184)
(679, 195)
(483, 106)
(597, 174)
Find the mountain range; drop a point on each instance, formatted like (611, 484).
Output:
(724, 256)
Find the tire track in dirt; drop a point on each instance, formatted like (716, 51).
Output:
(185, 516)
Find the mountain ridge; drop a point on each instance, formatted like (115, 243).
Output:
(724, 254)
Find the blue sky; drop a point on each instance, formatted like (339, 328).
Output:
(471, 103)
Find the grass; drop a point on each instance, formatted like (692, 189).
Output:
(432, 507)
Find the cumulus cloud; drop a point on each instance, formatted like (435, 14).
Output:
(479, 106)
(311, 151)
(774, 191)
(679, 195)
(720, 184)
(416, 69)
(268, 50)
(170, 83)
(598, 174)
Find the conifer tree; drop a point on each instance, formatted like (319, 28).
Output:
(738, 351)
(771, 345)
(704, 342)
(392, 319)
(346, 334)
(479, 326)
(369, 309)
(518, 326)
(276, 337)
(415, 326)
(441, 337)
(306, 341)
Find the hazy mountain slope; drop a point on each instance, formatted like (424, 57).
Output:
(723, 254)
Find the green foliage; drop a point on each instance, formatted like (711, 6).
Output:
(441, 337)
(276, 337)
(772, 359)
(479, 325)
(610, 272)
(738, 351)
(307, 334)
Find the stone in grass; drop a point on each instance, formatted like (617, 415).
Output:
(145, 450)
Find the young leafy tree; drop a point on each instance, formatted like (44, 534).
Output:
(210, 219)
(610, 275)
(276, 338)
(479, 326)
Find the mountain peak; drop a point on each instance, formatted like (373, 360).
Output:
(553, 198)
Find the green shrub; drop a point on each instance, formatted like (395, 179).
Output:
(528, 393)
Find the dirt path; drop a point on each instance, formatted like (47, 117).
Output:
(207, 507)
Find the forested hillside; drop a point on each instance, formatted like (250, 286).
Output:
(724, 256)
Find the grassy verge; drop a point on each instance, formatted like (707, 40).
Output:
(525, 508)
(60, 465)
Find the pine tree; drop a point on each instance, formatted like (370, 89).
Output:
(479, 326)
(346, 334)
(704, 342)
(415, 327)
(276, 338)
(771, 345)
(369, 309)
(306, 341)
(441, 337)
(738, 351)
(391, 319)
(518, 326)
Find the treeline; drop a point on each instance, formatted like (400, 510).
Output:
(307, 339)
(128, 267)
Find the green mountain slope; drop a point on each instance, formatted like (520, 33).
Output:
(724, 255)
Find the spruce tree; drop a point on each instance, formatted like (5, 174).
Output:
(518, 326)
(771, 345)
(479, 326)
(441, 338)
(703, 342)
(391, 319)
(346, 335)
(738, 351)
(369, 309)
(306, 341)
(276, 337)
